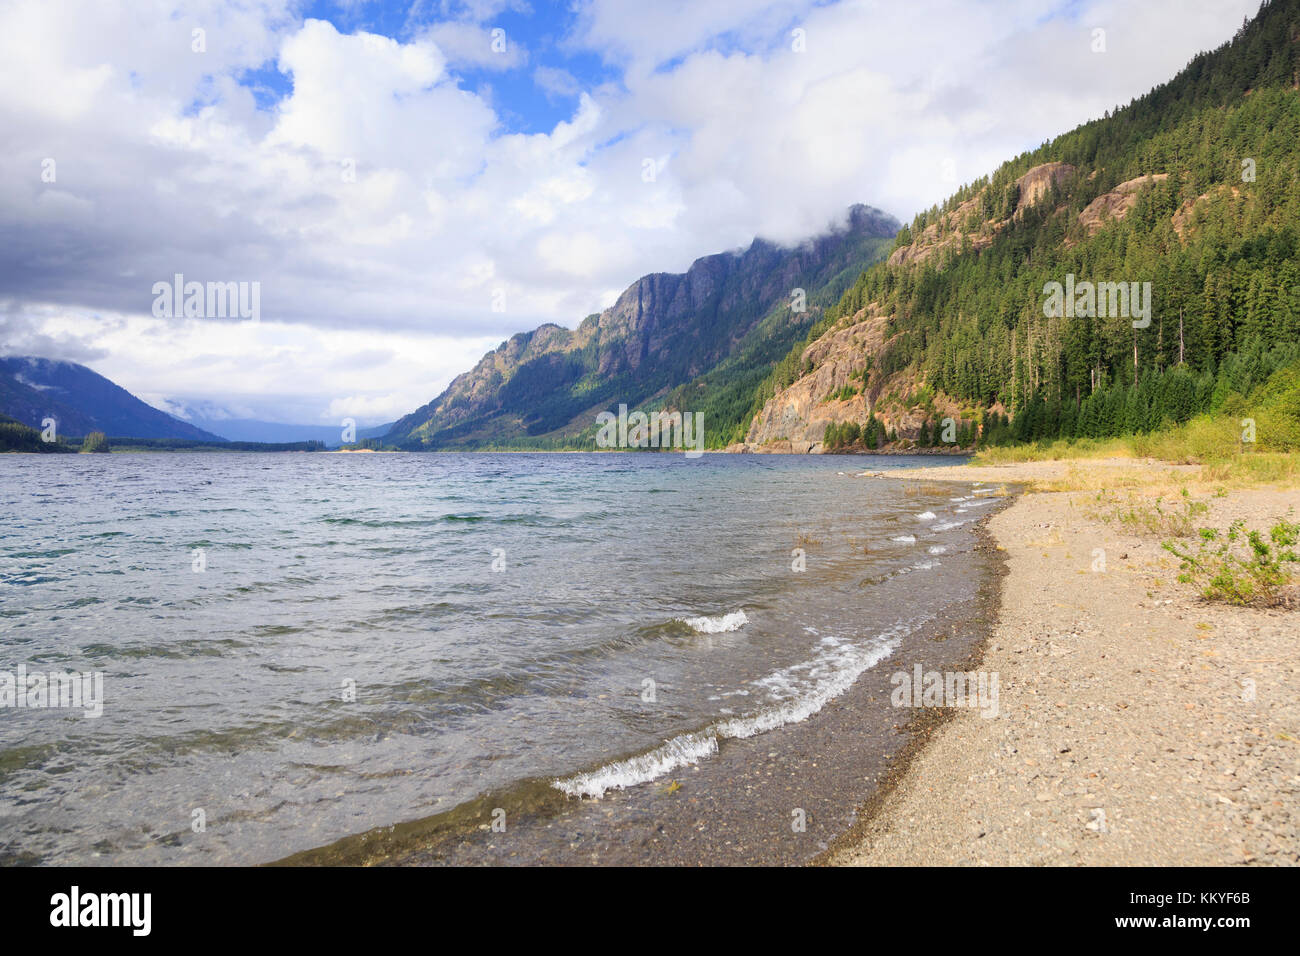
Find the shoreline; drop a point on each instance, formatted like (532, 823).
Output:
(1140, 725)
(733, 808)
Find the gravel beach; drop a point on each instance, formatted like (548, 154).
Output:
(1139, 724)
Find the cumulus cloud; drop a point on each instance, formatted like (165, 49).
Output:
(387, 210)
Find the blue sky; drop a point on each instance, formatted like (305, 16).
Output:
(525, 105)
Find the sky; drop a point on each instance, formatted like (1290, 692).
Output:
(407, 184)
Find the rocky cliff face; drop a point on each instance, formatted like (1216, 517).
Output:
(799, 415)
(963, 225)
(662, 332)
(1115, 205)
(955, 314)
(795, 419)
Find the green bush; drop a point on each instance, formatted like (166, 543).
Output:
(1239, 566)
(94, 443)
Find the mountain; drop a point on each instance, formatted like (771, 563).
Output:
(81, 401)
(1128, 275)
(705, 338)
(250, 429)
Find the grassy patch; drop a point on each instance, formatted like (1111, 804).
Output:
(1146, 516)
(1054, 451)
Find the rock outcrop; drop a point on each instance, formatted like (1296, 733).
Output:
(1034, 185)
(795, 419)
(1115, 205)
(953, 231)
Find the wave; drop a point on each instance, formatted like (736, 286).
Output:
(680, 751)
(716, 625)
(905, 539)
(926, 516)
(796, 698)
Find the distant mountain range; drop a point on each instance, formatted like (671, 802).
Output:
(81, 401)
(251, 429)
(1187, 198)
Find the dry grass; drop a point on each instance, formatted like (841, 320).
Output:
(1210, 460)
(1161, 516)
(926, 488)
(1159, 480)
(1055, 451)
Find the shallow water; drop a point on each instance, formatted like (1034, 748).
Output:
(348, 657)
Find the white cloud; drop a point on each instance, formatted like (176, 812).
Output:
(556, 82)
(472, 45)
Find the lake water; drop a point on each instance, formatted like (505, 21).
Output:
(299, 647)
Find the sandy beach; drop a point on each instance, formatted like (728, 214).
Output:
(1139, 724)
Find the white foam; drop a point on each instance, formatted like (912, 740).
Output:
(949, 525)
(920, 566)
(716, 625)
(681, 751)
(938, 549)
(925, 516)
(797, 692)
(803, 689)
(730, 693)
(905, 539)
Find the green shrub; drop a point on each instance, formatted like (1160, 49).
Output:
(1239, 566)
(95, 443)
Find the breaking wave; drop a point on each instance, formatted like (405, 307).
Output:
(716, 625)
(795, 694)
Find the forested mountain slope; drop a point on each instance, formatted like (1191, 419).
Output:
(1192, 192)
(80, 401)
